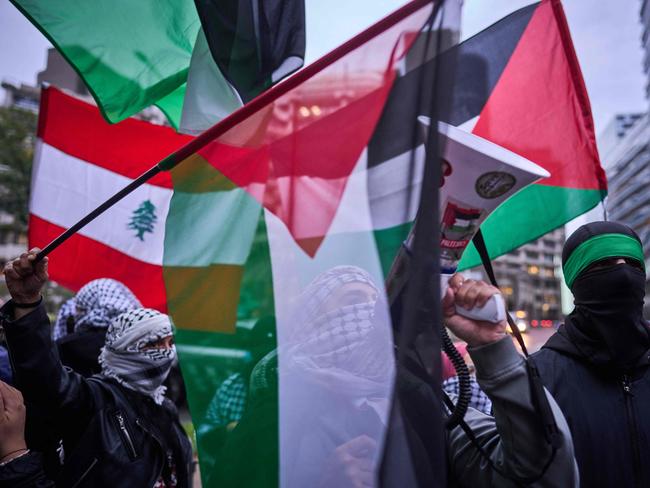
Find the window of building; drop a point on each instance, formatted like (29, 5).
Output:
(550, 299)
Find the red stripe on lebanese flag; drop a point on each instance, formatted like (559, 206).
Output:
(82, 259)
(128, 148)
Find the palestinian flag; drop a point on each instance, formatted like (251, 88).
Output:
(519, 85)
(273, 273)
(133, 54)
(80, 160)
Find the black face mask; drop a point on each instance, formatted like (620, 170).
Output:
(607, 324)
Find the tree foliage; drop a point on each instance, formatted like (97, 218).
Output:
(17, 136)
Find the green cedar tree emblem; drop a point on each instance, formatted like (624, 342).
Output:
(143, 219)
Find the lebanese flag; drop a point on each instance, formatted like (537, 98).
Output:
(80, 160)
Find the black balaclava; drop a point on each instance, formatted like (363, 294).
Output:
(607, 324)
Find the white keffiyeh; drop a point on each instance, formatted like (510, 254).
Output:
(125, 358)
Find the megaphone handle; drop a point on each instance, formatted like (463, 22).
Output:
(493, 311)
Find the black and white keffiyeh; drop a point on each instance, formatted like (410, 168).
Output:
(100, 301)
(125, 357)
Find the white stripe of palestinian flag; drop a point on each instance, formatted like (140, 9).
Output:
(345, 375)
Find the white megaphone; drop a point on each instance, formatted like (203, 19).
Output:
(478, 176)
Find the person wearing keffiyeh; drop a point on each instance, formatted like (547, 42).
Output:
(91, 311)
(139, 352)
(118, 429)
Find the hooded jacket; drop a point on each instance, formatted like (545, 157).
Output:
(596, 365)
(606, 412)
(112, 436)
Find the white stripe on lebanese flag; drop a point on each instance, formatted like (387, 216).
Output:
(66, 188)
(79, 162)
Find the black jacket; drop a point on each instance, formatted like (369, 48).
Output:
(112, 436)
(24, 472)
(607, 412)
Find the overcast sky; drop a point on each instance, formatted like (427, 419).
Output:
(606, 35)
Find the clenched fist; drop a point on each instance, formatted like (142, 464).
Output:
(469, 294)
(12, 423)
(25, 278)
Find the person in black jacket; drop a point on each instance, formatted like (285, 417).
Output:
(118, 430)
(596, 365)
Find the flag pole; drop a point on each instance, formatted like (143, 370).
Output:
(238, 116)
(139, 181)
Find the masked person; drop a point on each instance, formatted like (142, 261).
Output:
(118, 429)
(596, 365)
(90, 311)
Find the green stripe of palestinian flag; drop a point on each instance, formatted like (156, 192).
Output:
(217, 272)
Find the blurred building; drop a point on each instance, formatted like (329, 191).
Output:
(21, 96)
(628, 175)
(608, 140)
(529, 277)
(59, 73)
(645, 42)
(625, 153)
